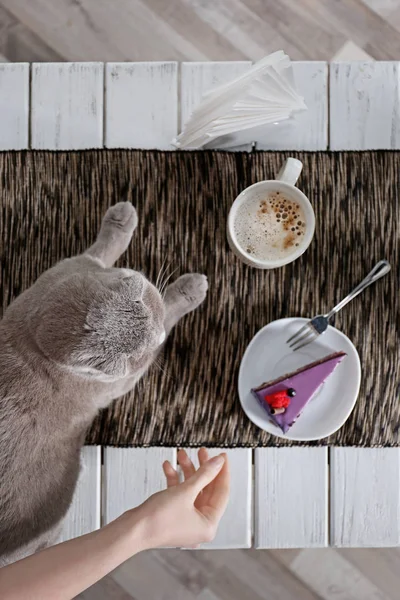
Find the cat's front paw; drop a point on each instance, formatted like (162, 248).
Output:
(188, 291)
(123, 216)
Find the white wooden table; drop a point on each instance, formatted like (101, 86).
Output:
(294, 497)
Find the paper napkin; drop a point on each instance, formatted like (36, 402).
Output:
(266, 94)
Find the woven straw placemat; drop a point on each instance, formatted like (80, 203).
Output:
(51, 205)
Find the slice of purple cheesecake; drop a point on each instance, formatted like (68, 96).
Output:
(285, 397)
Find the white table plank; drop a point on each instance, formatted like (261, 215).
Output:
(234, 530)
(67, 106)
(14, 106)
(364, 105)
(141, 105)
(309, 129)
(365, 503)
(84, 513)
(365, 497)
(130, 476)
(291, 498)
(197, 78)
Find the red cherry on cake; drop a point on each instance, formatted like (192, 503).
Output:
(278, 399)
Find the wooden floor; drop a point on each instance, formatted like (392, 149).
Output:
(58, 30)
(54, 30)
(254, 575)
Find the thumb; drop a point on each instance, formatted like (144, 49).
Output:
(205, 475)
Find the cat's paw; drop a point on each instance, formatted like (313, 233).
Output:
(123, 216)
(188, 291)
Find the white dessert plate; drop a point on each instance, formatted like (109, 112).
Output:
(268, 357)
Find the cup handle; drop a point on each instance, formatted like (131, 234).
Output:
(290, 171)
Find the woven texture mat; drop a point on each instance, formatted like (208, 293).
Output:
(51, 208)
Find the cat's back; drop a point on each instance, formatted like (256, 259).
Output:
(38, 464)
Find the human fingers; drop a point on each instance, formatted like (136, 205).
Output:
(202, 497)
(203, 456)
(218, 491)
(170, 474)
(205, 474)
(188, 468)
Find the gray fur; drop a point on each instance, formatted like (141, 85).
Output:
(80, 337)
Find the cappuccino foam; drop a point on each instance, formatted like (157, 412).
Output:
(270, 227)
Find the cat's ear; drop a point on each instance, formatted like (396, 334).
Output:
(103, 368)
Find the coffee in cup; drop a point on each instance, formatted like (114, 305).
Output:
(271, 223)
(270, 226)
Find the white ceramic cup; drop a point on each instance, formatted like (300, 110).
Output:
(285, 184)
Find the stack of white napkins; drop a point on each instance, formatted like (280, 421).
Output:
(264, 95)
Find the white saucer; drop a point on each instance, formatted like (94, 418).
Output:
(268, 356)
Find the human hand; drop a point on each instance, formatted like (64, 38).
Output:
(187, 513)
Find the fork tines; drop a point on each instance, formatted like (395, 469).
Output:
(304, 336)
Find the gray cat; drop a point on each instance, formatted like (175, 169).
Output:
(80, 337)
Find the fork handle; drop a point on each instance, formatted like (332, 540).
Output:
(380, 269)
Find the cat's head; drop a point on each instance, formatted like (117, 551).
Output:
(103, 325)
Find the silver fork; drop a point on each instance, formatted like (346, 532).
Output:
(312, 329)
